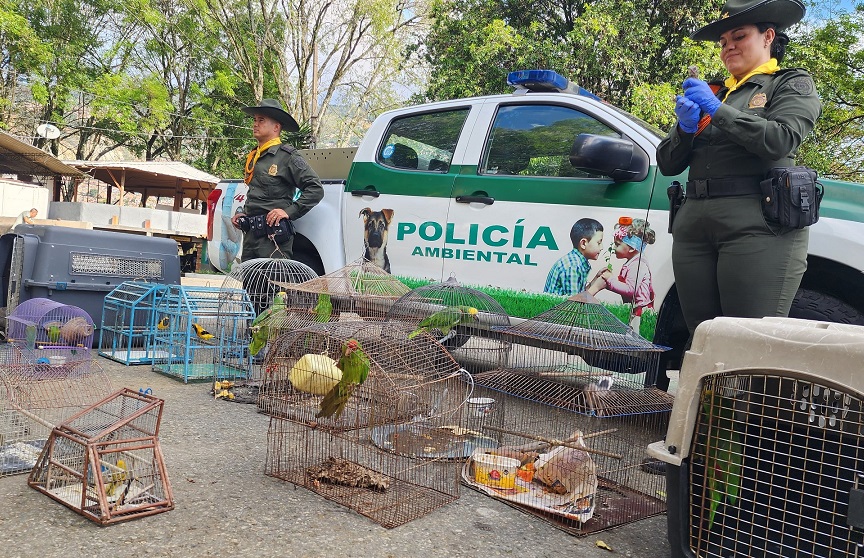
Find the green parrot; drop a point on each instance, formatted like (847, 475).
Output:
(724, 453)
(324, 309)
(354, 365)
(445, 320)
(261, 324)
(52, 330)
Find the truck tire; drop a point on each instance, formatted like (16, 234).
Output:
(305, 252)
(813, 305)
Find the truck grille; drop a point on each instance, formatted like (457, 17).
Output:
(114, 266)
(798, 444)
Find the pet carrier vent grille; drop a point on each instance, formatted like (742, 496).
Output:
(776, 458)
(101, 264)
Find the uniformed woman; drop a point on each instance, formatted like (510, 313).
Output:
(728, 261)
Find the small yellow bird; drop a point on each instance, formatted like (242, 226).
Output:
(163, 323)
(202, 333)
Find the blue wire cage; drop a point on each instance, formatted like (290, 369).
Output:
(197, 327)
(129, 322)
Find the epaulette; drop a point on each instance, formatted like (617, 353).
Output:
(290, 149)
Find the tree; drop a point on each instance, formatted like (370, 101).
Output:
(834, 55)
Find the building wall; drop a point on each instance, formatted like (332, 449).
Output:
(17, 196)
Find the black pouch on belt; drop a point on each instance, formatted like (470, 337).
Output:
(791, 196)
(676, 197)
(259, 227)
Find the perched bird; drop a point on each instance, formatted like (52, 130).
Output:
(261, 324)
(201, 332)
(76, 330)
(30, 332)
(724, 454)
(52, 330)
(163, 323)
(323, 310)
(445, 320)
(354, 364)
(117, 477)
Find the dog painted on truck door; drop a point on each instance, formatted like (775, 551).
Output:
(375, 225)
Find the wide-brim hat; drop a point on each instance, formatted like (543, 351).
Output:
(782, 13)
(271, 108)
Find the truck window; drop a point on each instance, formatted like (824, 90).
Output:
(422, 141)
(535, 140)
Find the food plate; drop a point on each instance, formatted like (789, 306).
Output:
(418, 439)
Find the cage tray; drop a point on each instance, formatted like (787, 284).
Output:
(18, 457)
(420, 440)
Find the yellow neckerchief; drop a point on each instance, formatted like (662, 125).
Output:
(769, 67)
(252, 158)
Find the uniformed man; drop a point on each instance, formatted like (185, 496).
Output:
(274, 173)
(728, 260)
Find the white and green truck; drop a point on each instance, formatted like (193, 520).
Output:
(486, 189)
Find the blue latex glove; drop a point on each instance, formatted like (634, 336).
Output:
(688, 114)
(700, 93)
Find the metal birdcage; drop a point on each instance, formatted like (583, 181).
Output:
(581, 473)
(129, 322)
(35, 396)
(105, 462)
(360, 290)
(763, 452)
(261, 279)
(580, 357)
(460, 318)
(393, 452)
(196, 328)
(55, 331)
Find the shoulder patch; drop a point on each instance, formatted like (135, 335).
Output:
(299, 161)
(803, 85)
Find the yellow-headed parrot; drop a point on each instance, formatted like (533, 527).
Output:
(445, 320)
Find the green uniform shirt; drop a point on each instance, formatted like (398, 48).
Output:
(277, 176)
(760, 126)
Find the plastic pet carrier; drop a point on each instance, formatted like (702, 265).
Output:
(79, 266)
(764, 449)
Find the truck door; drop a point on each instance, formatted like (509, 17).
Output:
(399, 190)
(511, 216)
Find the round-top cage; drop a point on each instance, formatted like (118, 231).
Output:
(406, 379)
(42, 323)
(262, 278)
(458, 317)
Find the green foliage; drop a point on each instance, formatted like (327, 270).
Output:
(834, 54)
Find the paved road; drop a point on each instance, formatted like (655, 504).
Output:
(226, 506)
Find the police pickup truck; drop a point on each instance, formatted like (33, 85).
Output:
(487, 189)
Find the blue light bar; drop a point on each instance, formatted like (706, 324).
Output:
(546, 81)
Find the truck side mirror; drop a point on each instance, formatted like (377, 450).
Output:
(618, 158)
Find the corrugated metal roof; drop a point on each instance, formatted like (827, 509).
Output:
(18, 157)
(155, 178)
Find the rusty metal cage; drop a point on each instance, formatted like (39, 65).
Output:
(392, 452)
(106, 462)
(35, 396)
(580, 357)
(458, 317)
(359, 290)
(764, 447)
(583, 474)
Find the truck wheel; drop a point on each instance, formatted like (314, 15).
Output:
(813, 305)
(305, 252)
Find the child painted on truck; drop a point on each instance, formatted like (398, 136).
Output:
(569, 275)
(634, 279)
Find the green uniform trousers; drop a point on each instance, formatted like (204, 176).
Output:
(263, 247)
(729, 262)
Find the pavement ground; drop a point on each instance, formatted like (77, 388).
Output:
(226, 506)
